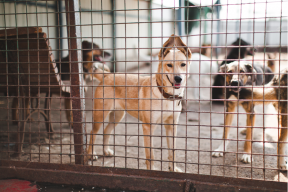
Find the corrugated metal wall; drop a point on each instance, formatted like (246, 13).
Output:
(131, 22)
(247, 27)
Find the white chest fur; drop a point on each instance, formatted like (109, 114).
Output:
(232, 98)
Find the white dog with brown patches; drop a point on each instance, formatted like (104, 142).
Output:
(152, 100)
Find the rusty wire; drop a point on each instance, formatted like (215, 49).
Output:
(36, 36)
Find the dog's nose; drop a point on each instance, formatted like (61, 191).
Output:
(234, 83)
(177, 79)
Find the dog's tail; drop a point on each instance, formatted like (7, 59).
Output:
(100, 71)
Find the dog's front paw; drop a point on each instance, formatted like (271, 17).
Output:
(108, 152)
(246, 158)
(90, 158)
(243, 132)
(283, 166)
(217, 153)
(176, 169)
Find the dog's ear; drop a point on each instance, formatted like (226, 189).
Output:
(269, 56)
(174, 41)
(86, 45)
(106, 54)
(249, 68)
(236, 42)
(252, 72)
(272, 55)
(240, 42)
(223, 68)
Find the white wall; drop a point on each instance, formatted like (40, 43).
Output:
(163, 25)
(95, 25)
(131, 32)
(129, 44)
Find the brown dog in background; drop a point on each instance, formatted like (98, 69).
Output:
(90, 53)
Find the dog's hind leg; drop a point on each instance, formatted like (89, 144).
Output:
(230, 108)
(250, 121)
(282, 164)
(148, 130)
(99, 115)
(171, 133)
(114, 118)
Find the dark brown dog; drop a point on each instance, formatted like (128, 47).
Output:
(239, 74)
(240, 51)
(274, 92)
(91, 54)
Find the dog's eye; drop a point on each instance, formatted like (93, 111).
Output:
(183, 64)
(229, 71)
(169, 65)
(241, 71)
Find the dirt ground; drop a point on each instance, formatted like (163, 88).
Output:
(199, 133)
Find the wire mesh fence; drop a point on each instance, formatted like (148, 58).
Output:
(105, 83)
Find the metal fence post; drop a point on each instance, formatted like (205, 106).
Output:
(77, 89)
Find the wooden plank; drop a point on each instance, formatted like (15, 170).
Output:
(31, 59)
(26, 37)
(20, 31)
(35, 57)
(31, 52)
(32, 45)
(33, 90)
(30, 70)
(37, 40)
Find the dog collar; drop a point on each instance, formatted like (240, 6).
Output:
(167, 95)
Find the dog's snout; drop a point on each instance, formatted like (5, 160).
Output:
(177, 79)
(234, 83)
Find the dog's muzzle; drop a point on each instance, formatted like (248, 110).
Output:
(98, 58)
(177, 81)
(234, 86)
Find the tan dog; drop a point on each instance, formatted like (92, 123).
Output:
(152, 100)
